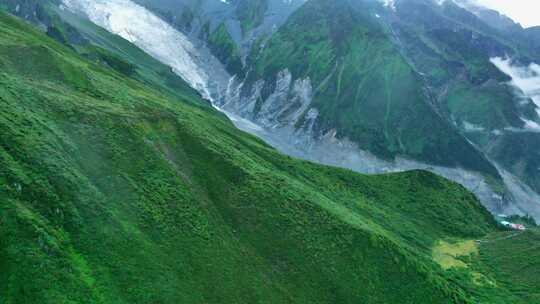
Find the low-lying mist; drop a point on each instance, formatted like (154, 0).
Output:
(524, 78)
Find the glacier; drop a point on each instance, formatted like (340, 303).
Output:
(153, 35)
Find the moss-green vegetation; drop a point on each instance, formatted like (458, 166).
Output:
(226, 50)
(112, 192)
(113, 61)
(498, 268)
(251, 13)
(447, 254)
(513, 261)
(489, 107)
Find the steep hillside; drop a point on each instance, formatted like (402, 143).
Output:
(511, 260)
(113, 192)
(456, 50)
(364, 87)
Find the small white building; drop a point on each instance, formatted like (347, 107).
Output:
(518, 227)
(513, 226)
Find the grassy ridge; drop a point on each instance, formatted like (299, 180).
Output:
(114, 193)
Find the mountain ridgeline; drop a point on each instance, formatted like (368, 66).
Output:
(120, 183)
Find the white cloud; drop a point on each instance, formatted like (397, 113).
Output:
(525, 79)
(525, 12)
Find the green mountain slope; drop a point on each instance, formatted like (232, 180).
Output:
(112, 192)
(510, 261)
(452, 47)
(225, 49)
(365, 88)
